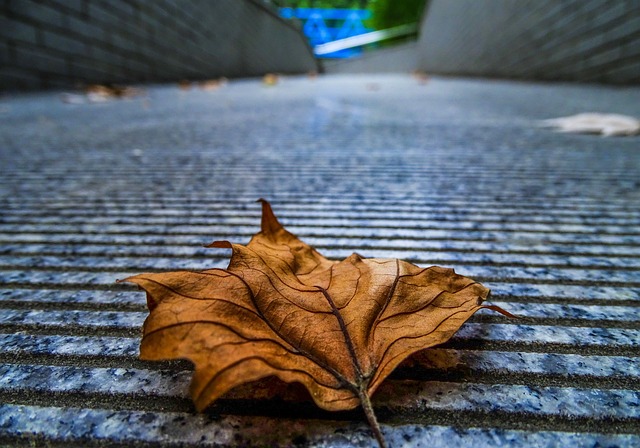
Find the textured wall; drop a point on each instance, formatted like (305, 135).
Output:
(58, 43)
(397, 59)
(583, 40)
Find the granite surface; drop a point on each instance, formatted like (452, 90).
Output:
(453, 172)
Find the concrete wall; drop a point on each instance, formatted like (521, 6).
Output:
(59, 43)
(401, 58)
(577, 40)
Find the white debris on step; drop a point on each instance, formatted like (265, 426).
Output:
(596, 123)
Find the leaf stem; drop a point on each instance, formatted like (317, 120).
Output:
(371, 417)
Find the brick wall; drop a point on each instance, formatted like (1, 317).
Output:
(59, 43)
(578, 40)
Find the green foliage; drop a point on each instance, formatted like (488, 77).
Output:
(385, 13)
(390, 13)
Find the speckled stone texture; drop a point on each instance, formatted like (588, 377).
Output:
(453, 172)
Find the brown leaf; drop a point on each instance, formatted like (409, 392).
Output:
(282, 309)
(212, 84)
(184, 84)
(420, 76)
(100, 93)
(270, 79)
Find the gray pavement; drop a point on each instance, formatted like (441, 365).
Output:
(453, 172)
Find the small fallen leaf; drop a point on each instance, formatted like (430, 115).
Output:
(212, 84)
(281, 309)
(184, 84)
(420, 76)
(270, 79)
(596, 123)
(99, 93)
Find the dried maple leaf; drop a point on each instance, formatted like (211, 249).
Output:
(282, 309)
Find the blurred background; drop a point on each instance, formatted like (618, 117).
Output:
(63, 43)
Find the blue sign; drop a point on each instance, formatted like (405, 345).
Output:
(322, 25)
